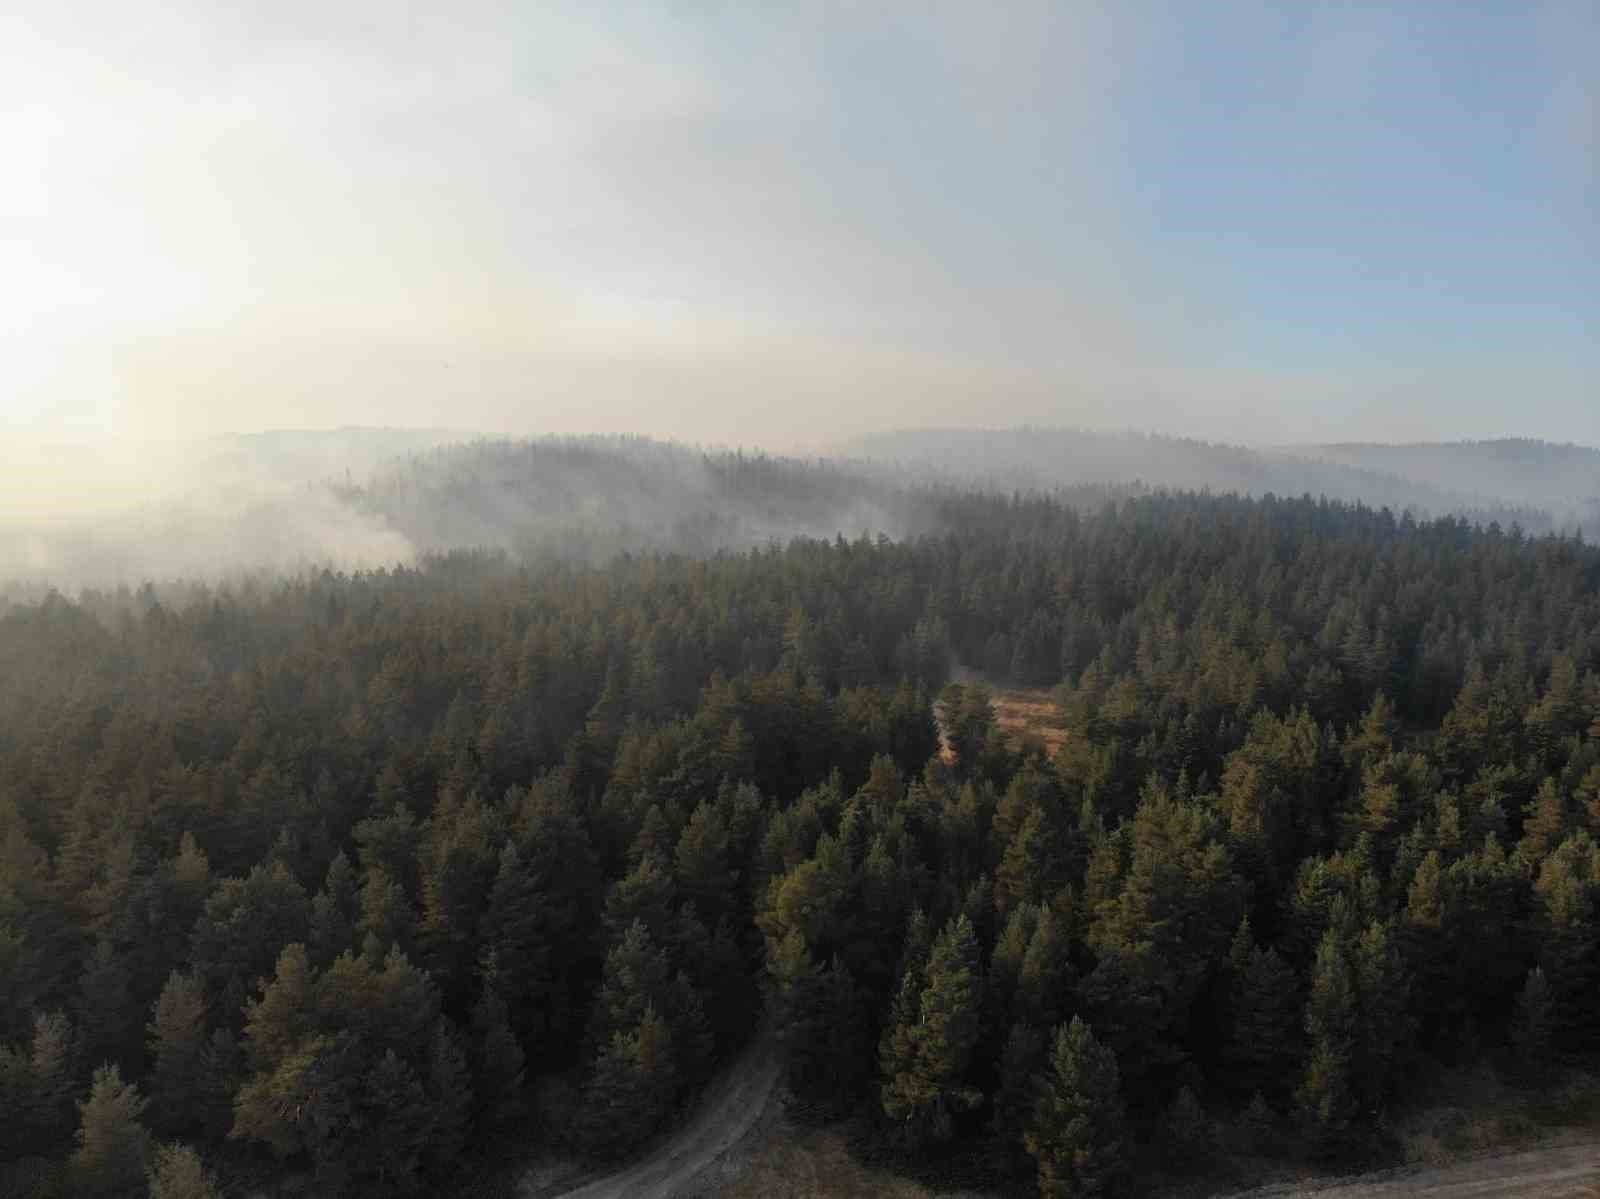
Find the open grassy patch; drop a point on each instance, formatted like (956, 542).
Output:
(810, 1164)
(1463, 1113)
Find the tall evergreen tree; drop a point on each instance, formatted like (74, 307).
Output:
(178, 1173)
(1078, 1130)
(449, 1087)
(1263, 1039)
(178, 1039)
(1531, 1022)
(1327, 1093)
(498, 1058)
(113, 1145)
(926, 1064)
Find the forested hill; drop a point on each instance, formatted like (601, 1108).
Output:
(351, 873)
(1540, 486)
(1562, 479)
(364, 498)
(591, 497)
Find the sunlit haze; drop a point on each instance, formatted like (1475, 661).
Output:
(779, 225)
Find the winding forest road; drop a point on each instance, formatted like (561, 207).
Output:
(1563, 1172)
(733, 1106)
(690, 1162)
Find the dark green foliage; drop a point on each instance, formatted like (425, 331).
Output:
(1259, 1124)
(966, 714)
(1568, 889)
(112, 1144)
(926, 1055)
(340, 1067)
(823, 1023)
(105, 1023)
(334, 911)
(246, 922)
(453, 830)
(1185, 1131)
(449, 1086)
(497, 1056)
(630, 1089)
(36, 1089)
(1077, 1132)
(1531, 1025)
(1327, 1095)
(1263, 1041)
(178, 1173)
(1021, 1062)
(178, 1039)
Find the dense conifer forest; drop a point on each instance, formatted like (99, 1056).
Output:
(356, 874)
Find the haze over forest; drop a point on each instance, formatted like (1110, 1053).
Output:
(363, 498)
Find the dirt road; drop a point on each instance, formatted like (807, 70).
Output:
(684, 1164)
(1567, 1172)
(695, 1161)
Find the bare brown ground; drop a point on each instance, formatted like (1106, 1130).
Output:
(813, 1164)
(1035, 713)
(694, 1159)
(1559, 1172)
(1020, 712)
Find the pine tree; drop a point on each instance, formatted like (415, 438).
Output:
(1077, 1133)
(1544, 824)
(1531, 1023)
(393, 1120)
(701, 863)
(1020, 1062)
(245, 925)
(333, 913)
(1384, 1028)
(109, 1161)
(1046, 977)
(47, 1116)
(516, 941)
(282, 1050)
(1326, 1096)
(1263, 1039)
(1568, 887)
(223, 1065)
(277, 1021)
(178, 1038)
(102, 1004)
(498, 1058)
(847, 1036)
(630, 1089)
(449, 1098)
(1185, 1130)
(178, 1173)
(926, 1064)
(386, 919)
(1259, 1123)
(898, 1046)
(1031, 865)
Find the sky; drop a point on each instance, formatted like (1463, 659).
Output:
(786, 224)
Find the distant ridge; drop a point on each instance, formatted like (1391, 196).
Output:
(1563, 478)
(368, 497)
(1541, 486)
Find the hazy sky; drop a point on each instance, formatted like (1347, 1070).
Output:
(780, 223)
